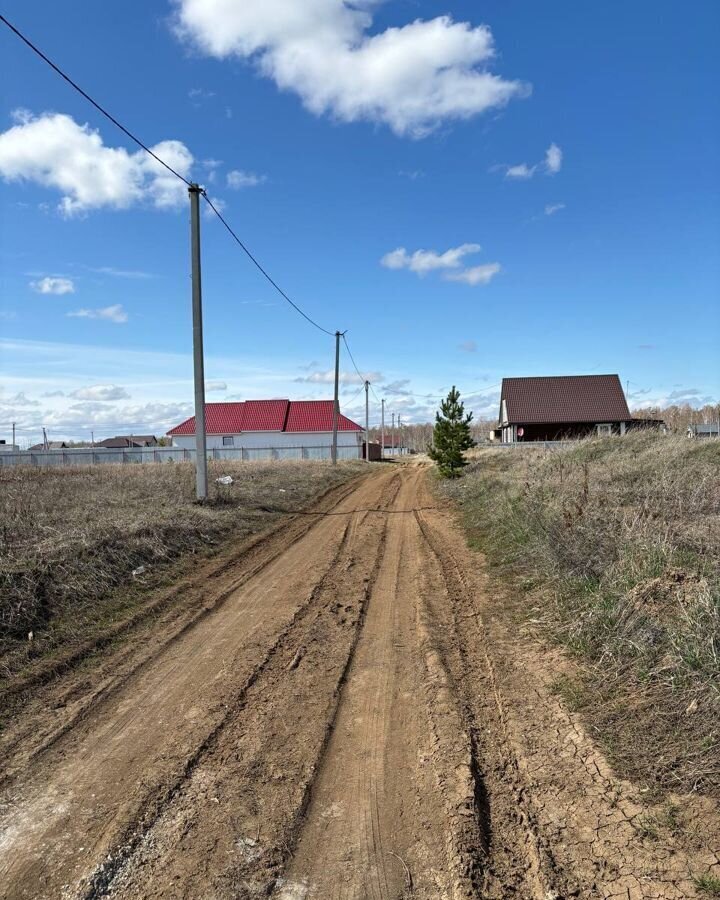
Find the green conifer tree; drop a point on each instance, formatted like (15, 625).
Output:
(451, 436)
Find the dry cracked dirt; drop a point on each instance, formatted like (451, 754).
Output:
(339, 709)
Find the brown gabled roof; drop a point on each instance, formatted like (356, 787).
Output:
(564, 398)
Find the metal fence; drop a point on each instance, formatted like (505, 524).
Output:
(88, 456)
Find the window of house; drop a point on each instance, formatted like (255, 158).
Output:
(604, 429)
(228, 441)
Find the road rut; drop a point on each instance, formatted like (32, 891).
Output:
(351, 719)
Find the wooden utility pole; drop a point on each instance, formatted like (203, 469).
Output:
(201, 478)
(392, 434)
(336, 400)
(367, 422)
(382, 429)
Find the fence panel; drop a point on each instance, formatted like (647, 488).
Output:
(86, 456)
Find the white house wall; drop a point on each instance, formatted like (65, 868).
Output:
(273, 439)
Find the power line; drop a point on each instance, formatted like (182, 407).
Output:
(162, 162)
(87, 96)
(352, 359)
(264, 272)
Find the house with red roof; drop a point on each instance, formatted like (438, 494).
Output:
(279, 425)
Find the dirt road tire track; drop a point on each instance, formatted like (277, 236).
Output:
(55, 685)
(355, 719)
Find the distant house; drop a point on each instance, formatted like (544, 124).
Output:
(562, 407)
(274, 424)
(704, 431)
(126, 441)
(394, 445)
(51, 445)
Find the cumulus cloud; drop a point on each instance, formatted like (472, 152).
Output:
(51, 285)
(328, 377)
(551, 165)
(412, 77)
(114, 313)
(523, 170)
(423, 261)
(102, 392)
(237, 179)
(552, 208)
(18, 400)
(475, 275)
(148, 418)
(398, 387)
(553, 159)
(55, 151)
(214, 386)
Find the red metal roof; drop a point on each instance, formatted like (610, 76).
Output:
(316, 415)
(267, 415)
(564, 398)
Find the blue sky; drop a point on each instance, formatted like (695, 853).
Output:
(586, 169)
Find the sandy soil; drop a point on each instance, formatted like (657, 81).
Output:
(340, 710)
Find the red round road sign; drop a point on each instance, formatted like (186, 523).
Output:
(520, 431)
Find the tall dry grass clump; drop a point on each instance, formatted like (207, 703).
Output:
(70, 539)
(615, 543)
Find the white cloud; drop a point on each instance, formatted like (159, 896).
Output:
(423, 261)
(114, 313)
(20, 399)
(200, 94)
(520, 171)
(51, 285)
(553, 159)
(551, 165)
(237, 179)
(476, 275)
(147, 418)
(328, 377)
(412, 77)
(102, 392)
(53, 150)
(213, 386)
(552, 208)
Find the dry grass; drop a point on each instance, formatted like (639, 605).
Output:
(70, 539)
(616, 547)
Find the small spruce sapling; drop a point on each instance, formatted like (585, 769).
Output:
(451, 436)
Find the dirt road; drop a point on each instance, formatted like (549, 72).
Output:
(338, 713)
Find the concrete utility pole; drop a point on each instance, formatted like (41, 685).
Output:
(392, 434)
(336, 400)
(382, 429)
(13, 436)
(201, 478)
(400, 433)
(367, 422)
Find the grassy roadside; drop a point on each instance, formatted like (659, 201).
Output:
(71, 539)
(612, 549)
